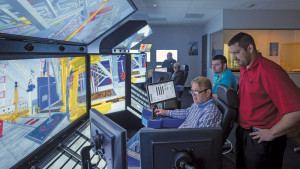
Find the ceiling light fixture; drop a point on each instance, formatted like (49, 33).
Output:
(250, 5)
(154, 4)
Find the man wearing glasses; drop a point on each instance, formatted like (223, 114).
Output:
(203, 113)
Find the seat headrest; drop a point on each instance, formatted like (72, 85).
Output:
(184, 68)
(228, 95)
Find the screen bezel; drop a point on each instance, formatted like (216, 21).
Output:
(114, 139)
(147, 70)
(51, 143)
(164, 74)
(149, 138)
(153, 84)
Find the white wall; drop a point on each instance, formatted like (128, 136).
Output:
(177, 38)
(261, 19)
(212, 26)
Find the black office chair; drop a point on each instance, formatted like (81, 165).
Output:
(185, 69)
(176, 103)
(228, 104)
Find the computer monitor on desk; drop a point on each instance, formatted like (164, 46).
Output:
(161, 76)
(160, 92)
(108, 140)
(181, 148)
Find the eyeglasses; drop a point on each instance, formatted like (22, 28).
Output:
(196, 91)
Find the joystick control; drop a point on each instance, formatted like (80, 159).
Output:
(153, 117)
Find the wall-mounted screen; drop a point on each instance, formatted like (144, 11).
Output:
(161, 55)
(108, 83)
(34, 97)
(76, 21)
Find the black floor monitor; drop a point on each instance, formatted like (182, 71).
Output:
(181, 148)
(108, 140)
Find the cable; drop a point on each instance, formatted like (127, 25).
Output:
(231, 147)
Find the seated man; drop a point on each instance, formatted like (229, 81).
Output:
(222, 75)
(203, 113)
(178, 75)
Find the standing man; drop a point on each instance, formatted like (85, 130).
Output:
(269, 107)
(222, 75)
(168, 63)
(178, 75)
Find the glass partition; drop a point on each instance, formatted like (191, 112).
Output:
(69, 20)
(108, 83)
(39, 98)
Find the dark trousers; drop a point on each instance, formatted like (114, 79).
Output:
(253, 155)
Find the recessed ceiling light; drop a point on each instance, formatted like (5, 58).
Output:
(250, 5)
(154, 4)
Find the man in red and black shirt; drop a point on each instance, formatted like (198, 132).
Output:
(269, 107)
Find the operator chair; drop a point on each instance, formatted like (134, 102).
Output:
(228, 104)
(185, 69)
(176, 103)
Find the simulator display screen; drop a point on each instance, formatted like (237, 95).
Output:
(138, 68)
(38, 98)
(135, 38)
(145, 47)
(68, 20)
(158, 92)
(108, 83)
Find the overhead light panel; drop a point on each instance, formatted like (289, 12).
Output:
(250, 5)
(194, 15)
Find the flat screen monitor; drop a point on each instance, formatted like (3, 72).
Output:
(160, 76)
(160, 92)
(110, 139)
(172, 148)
